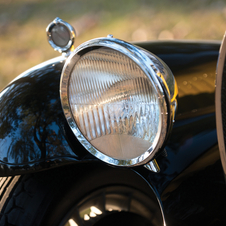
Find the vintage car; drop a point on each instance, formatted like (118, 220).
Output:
(114, 133)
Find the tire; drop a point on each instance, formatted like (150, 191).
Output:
(60, 197)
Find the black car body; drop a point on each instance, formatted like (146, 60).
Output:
(39, 152)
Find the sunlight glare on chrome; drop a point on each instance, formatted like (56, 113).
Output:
(86, 217)
(72, 222)
(95, 210)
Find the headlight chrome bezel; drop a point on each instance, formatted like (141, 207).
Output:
(154, 69)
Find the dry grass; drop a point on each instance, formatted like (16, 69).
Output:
(23, 42)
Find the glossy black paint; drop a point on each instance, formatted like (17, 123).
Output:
(33, 127)
(191, 184)
(34, 134)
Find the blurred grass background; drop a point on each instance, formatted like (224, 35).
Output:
(23, 41)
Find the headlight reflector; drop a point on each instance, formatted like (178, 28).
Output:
(114, 104)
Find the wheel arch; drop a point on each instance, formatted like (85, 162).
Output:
(54, 192)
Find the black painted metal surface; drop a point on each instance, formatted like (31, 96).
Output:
(191, 182)
(33, 127)
(34, 134)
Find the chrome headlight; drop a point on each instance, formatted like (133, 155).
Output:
(117, 99)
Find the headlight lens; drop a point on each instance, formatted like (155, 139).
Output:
(116, 100)
(114, 104)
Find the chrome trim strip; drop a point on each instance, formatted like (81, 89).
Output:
(165, 75)
(144, 62)
(219, 122)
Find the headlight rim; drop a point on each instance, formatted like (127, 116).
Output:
(144, 62)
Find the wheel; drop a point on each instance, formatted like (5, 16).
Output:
(78, 195)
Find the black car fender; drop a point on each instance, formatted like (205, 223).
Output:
(34, 134)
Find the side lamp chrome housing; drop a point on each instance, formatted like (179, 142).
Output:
(119, 100)
(61, 35)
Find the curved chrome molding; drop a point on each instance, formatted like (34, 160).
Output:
(71, 32)
(218, 101)
(168, 83)
(145, 62)
(165, 75)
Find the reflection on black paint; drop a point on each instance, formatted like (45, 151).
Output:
(194, 131)
(32, 124)
(191, 182)
(33, 127)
